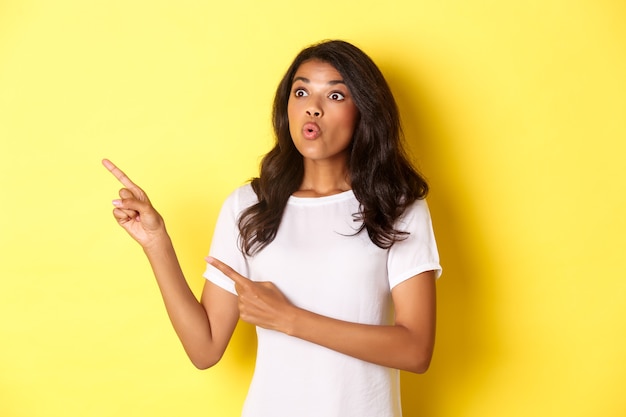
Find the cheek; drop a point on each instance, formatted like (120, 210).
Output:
(351, 119)
(292, 123)
(291, 112)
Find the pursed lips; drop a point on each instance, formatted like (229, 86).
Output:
(311, 130)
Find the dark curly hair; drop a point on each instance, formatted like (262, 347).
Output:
(383, 180)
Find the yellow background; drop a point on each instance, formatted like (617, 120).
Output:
(514, 110)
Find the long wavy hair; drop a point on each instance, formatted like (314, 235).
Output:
(383, 180)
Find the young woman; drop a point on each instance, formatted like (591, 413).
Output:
(329, 252)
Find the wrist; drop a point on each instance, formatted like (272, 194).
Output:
(158, 242)
(292, 320)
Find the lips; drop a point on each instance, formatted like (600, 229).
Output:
(311, 130)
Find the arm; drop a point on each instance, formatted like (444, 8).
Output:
(204, 327)
(407, 344)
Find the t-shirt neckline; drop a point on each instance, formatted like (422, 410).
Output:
(344, 195)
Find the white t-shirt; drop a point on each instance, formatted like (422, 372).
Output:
(320, 265)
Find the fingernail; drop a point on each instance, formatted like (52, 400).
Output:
(117, 203)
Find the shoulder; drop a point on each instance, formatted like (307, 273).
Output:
(241, 198)
(244, 194)
(418, 208)
(416, 214)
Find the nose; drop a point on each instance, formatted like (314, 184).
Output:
(314, 110)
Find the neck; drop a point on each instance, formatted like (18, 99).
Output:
(323, 179)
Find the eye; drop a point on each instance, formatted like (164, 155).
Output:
(300, 92)
(337, 96)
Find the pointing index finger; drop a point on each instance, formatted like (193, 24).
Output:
(228, 271)
(119, 174)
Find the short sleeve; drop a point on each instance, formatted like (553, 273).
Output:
(418, 252)
(225, 243)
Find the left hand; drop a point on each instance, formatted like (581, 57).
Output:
(260, 303)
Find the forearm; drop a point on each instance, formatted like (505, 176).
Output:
(204, 328)
(187, 315)
(408, 344)
(394, 346)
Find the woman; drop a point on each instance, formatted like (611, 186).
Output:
(329, 252)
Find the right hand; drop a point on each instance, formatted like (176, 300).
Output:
(133, 210)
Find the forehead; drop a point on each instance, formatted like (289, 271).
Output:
(318, 70)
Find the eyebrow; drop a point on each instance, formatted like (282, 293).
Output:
(307, 81)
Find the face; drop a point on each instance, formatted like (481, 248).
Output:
(322, 114)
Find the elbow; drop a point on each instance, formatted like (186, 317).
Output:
(202, 365)
(420, 366)
(204, 361)
(419, 363)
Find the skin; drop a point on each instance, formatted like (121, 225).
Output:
(206, 326)
(320, 97)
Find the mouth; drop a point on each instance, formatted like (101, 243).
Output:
(311, 131)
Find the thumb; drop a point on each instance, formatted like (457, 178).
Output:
(129, 201)
(128, 207)
(126, 193)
